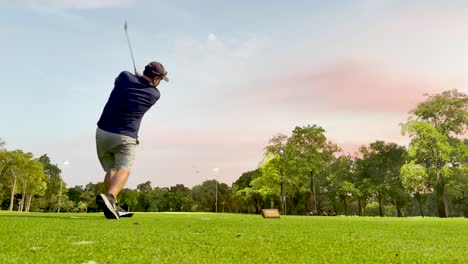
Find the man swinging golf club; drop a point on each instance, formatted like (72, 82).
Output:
(117, 132)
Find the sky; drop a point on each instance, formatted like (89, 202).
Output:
(240, 72)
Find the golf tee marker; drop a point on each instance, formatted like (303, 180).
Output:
(270, 213)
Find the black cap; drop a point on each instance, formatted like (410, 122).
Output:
(154, 69)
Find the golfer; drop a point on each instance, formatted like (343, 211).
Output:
(117, 131)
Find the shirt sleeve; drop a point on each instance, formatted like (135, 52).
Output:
(122, 76)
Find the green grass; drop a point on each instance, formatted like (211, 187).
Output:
(229, 238)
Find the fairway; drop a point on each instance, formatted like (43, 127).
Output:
(229, 238)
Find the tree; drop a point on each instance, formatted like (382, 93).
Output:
(415, 181)
(433, 127)
(81, 207)
(144, 187)
(458, 186)
(129, 198)
(144, 190)
(55, 185)
(277, 148)
(204, 196)
(458, 191)
(16, 166)
(393, 157)
(180, 198)
(224, 198)
(309, 154)
(157, 200)
(34, 183)
(268, 184)
(364, 185)
(74, 199)
(4, 160)
(74, 193)
(246, 197)
(340, 181)
(379, 173)
(89, 193)
(23, 176)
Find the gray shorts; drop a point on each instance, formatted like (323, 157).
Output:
(115, 151)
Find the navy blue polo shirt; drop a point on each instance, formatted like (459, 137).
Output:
(128, 102)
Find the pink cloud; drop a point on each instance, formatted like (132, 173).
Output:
(346, 87)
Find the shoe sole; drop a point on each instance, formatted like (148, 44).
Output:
(107, 207)
(127, 214)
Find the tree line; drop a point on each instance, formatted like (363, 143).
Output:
(304, 173)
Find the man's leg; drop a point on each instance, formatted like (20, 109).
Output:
(123, 160)
(113, 183)
(116, 181)
(108, 178)
(114, 151)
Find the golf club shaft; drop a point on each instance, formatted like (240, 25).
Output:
(130, 47)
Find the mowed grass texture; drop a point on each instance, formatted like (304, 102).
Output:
(229, 238)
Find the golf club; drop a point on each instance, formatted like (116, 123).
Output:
(130, 47)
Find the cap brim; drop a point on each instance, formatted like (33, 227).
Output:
(165, 78)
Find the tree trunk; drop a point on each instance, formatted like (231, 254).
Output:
(440, 198)
(418, 197)
(465, 212)
(380, 205)
(12, 197)
(359, 207)
(446, 204)
(60, 197)
(313, 198)
(345, 207)
(20, 205)
(23, 196)
(282, 202)
(420, 208)
(398, 209)
(28, 202)
(400, 213)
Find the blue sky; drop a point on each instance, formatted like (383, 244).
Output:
(241, 71)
